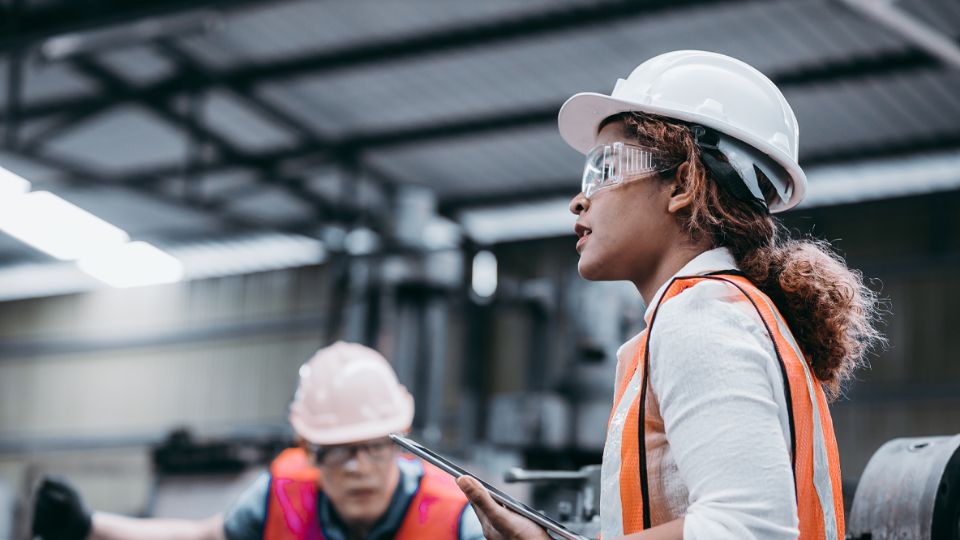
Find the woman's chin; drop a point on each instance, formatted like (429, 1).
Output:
(593, 268)
(589, 270)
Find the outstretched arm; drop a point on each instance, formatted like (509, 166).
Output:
(114, 527)
(59, 514)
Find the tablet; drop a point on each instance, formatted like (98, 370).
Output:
(447, 466)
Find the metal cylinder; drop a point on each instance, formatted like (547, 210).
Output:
(910, 489)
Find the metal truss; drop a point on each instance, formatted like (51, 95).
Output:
(194, 80)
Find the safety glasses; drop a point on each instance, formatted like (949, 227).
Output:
(610, 164)
(337, 456)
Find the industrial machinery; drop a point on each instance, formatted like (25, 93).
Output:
(582, 515)
(910, 489)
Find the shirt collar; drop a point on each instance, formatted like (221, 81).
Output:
(709, 261)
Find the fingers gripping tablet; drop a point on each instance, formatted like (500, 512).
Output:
(451, 468)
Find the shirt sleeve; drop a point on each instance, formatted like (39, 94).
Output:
(245, 519)
(711, 369)
(470, 528)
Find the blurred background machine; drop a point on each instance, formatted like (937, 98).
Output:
(910, 489)
(272, 176)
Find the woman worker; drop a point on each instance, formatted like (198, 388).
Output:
(720, 427)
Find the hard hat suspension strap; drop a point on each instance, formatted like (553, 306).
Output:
(707, 141)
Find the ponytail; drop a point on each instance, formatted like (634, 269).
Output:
(830, 311)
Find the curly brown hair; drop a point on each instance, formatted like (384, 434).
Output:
(831, 312)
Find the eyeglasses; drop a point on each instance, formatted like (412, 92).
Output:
(610, 164)
(337, 456)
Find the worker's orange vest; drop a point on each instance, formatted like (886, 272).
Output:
(816, 464)
(292, 514)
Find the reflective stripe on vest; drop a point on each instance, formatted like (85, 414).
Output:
(434, 511)
(624, 496)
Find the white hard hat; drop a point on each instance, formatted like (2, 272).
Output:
(349, 393)
(711, 90)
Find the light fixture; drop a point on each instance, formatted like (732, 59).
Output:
(361, 241)
(115, 37)
(12, 184)
(521, 221)
(57, 227)
(133, 264)
(484, 281)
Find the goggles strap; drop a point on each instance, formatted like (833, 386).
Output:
(707, 141)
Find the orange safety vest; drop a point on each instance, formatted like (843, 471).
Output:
(814, 457)
(292, 513)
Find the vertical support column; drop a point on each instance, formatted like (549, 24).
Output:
(198, 146)
(14, 80)
(475, 380)
(436, 345)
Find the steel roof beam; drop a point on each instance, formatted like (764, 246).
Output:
(228, 152)
(388, 50)
(39, 23)
(827, 73)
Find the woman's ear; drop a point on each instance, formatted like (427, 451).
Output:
(680, 196)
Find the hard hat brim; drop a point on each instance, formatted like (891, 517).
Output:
(580, 118)
(325, 435)
(366, 431)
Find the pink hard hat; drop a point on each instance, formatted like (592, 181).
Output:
(349, 393)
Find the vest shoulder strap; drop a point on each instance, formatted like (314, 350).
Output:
(435, 510)
(292, 502)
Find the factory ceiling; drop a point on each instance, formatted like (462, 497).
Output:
(183, 122)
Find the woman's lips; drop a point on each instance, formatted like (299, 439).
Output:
(583, 239)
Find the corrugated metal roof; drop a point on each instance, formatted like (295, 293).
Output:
(545, 71)
(271, 205)
(43, 81)
(124, 139)
(941, 15)
(139, 64)
(891, 109)
(265, 33)
(841, 111)
(227, 115)
(522, 159)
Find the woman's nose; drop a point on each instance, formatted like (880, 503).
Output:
(579, 203)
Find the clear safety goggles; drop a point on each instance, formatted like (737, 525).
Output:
(610, 164)
(338, 455)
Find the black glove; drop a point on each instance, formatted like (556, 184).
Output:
(59, 513)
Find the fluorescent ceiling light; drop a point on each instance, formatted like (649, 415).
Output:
(133, 264)
(11, 184)
(56, 226)
(211, 259)
(361, 241)
(249, 254)
(519, 222)
(65, 46)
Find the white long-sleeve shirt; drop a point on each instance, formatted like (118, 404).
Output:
(718, 446)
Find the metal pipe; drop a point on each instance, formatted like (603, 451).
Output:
(918, 33)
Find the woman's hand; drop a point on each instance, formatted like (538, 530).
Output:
(498, 522)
